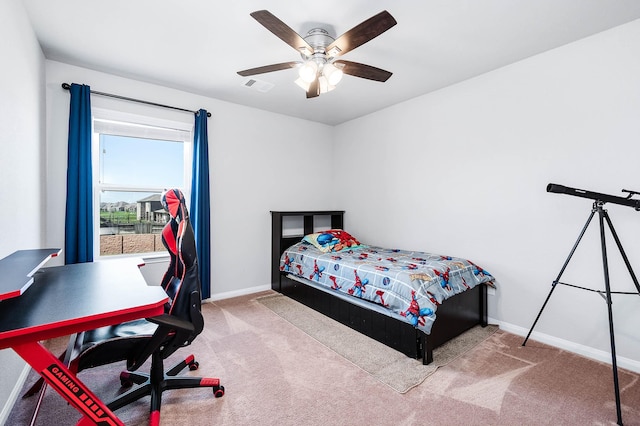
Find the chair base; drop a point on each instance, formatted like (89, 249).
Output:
(158, 381)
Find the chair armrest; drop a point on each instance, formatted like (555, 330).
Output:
(172, 322)
(167, 325)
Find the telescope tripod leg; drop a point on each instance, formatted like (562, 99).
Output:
(605, 266)
(555, 282)
(553, 287)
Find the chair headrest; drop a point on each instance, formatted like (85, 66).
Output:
(173, 201)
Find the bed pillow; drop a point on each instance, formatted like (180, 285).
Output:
(332, 240)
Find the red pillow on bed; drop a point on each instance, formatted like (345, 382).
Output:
(332, 240)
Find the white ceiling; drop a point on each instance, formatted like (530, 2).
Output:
(199, 45)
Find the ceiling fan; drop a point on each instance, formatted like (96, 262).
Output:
(319, 70)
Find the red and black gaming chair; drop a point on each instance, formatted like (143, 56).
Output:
(161, 336)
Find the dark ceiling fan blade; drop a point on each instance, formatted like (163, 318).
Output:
(361, 33)
(363, 71)
(268, 68)
(282, 31)
(314, 89)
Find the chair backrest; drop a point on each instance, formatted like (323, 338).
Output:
(181, 281)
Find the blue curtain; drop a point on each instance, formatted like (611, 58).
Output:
(200, 216)
(78, 244)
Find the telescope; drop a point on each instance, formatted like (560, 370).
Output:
(604, 198)
(603, 215)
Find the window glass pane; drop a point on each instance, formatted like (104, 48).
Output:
(141, 162)
(134, 161)
(131, 222)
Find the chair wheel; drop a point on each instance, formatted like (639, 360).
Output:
(194, 365)
(126, 383)
(218, 391)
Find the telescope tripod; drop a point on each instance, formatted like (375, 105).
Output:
(606, 294)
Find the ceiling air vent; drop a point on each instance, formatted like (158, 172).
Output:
(260, 86)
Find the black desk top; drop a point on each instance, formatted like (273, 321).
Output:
(72, 298)
(17, 269)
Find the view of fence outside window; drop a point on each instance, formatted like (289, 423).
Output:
(134, 168)
(129, 227)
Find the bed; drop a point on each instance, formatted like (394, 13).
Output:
(355, 284)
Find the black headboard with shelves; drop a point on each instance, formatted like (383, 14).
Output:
(281, 240)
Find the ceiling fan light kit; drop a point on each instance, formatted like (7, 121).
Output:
(320, 72)
(323, 84)
(308, 71)
(332, 73)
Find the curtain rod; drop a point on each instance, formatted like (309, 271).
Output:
(67, 86)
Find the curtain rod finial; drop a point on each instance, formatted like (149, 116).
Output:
(66, 86)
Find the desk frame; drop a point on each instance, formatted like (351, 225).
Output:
(28, 319)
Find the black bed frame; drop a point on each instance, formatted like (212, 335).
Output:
(455, 316)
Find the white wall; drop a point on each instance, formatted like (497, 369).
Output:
(463, 171)
(251, 152)
(21, 131)
(22, 160)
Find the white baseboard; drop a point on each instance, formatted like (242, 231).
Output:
(237, 293)
(586, 351)
(15, 394)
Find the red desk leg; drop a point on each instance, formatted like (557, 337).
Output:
(67, 384)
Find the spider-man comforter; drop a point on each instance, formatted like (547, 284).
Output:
(408, 283)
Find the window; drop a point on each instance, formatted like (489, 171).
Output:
(134, 160)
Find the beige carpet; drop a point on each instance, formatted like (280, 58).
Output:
(389, 366)
(275, 374)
